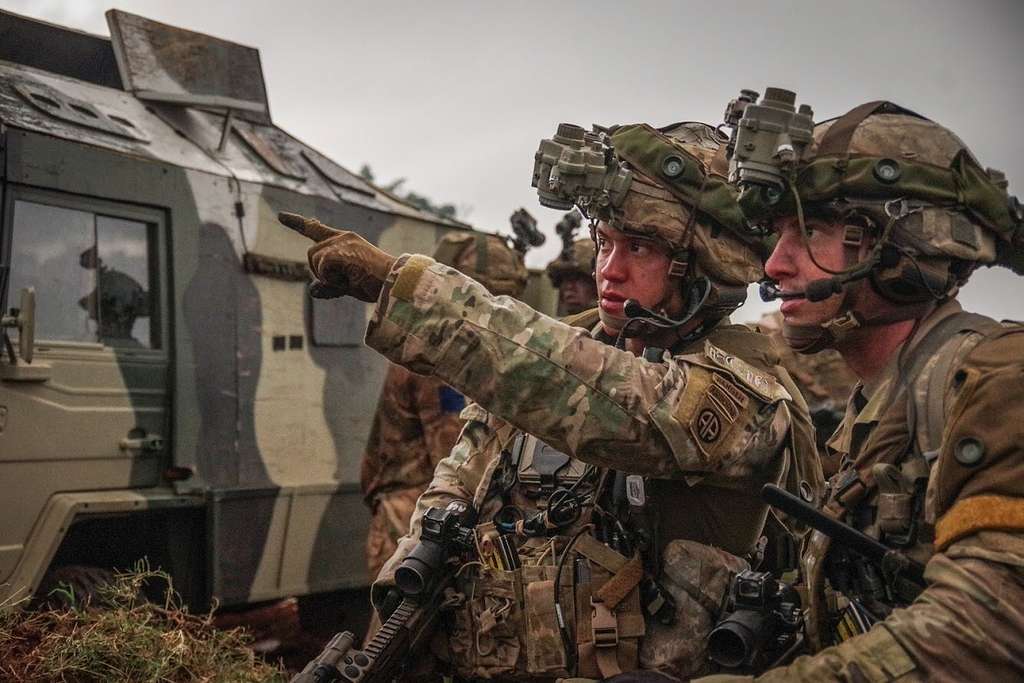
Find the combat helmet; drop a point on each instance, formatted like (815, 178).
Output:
(908, 191)
(486, 258)
(577, 259)
(665, 184)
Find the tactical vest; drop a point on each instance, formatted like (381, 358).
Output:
(546, 597)
(541, 607)
(882, 486)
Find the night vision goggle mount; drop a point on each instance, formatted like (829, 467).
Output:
(770, 164)
(768, 140)
(595, 169)
(576, 167)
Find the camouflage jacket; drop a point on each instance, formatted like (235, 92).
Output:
(968, 623)
(415, 426)
(709, 424)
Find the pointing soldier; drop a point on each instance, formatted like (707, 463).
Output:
(417, 419)
(879, 221)
(615, 462)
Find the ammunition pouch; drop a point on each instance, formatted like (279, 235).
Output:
(697, 577)
(508, 627)
(540, 469)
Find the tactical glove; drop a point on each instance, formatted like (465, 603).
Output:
(343, 263)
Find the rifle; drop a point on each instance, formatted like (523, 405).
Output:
(896, 566)
(383, 659)
(425, 585)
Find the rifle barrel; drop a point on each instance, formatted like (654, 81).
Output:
(841, 533)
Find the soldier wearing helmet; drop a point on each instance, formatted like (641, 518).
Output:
(883, 217)
(614, 461)
(572, 273)
(417, 418)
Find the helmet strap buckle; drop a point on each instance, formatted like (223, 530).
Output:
(842, 325)
(853, 236)
(680, 266)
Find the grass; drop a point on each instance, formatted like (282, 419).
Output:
(119, 636)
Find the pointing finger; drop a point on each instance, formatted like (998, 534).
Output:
(307, 227)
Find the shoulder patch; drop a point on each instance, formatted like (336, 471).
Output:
(451, 400)
(716, 412)
(761, 383)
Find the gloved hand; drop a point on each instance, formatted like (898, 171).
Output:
(343, 263)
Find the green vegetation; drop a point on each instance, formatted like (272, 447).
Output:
(419, 201)
(128, 638)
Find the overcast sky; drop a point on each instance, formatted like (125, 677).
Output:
(454, 96)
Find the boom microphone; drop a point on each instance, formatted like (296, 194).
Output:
(816, 290)
(697, 297)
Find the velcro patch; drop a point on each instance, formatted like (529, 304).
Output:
(762, 383)
(728, 399)
(979, 513)
(409, 276)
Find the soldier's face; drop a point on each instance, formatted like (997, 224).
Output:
(792, 267)
(630, 267)
(576, 294)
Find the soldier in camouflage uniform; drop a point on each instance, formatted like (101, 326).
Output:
(695, 410)
(417, 419)
(572, 274)
(933, 435)
(824, 380)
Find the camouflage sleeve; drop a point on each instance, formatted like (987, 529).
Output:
(598, 403)
(458, 476)
(977, 482)
(969, 623)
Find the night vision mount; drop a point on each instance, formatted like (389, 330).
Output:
(576, 167)
(769, 138)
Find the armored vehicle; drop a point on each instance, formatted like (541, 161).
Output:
(167, 388)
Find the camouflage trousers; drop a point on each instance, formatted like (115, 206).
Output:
(391, 514)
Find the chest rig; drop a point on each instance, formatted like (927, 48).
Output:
(882, 485)
(550, 596)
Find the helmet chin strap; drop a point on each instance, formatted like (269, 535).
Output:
(642, 322)
(848, 282)
(831, 333)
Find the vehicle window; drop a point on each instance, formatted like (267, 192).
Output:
(92, 275)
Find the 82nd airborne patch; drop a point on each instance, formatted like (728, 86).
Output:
(716, 419)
